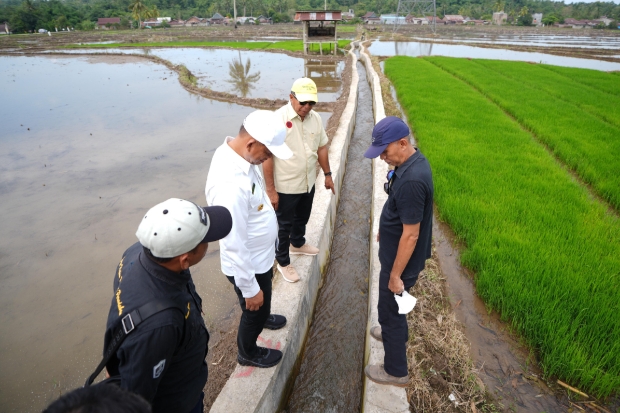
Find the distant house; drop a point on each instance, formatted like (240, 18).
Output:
(429, 19)
(499, 18)
(4, 28)
(246, 20)
(151, 22)
(606, 20)
(453, 19)
(176, 23)
(106, 22)
(217, 19)
(264, 20)
(193, 21)
(415, 20)
(348, 15)
(575, 24)
(537, 19)
(371, 18)
(393, 18)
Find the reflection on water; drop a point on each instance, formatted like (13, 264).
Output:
(86, 146)
(390, 48)
(240, 76)
(210, 66)
(326, 74)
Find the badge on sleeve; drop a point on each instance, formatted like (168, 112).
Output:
(158, 369)
(260, 207)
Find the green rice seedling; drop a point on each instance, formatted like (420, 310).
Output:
(601, 80)
(590, 99)
(298, 45)
(545, 254)
(585, 143)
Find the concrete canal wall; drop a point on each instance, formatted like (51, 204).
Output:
(377, 398)
(252, 389)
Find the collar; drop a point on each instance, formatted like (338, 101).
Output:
(235, 158)
(290, 112)
(402, 168)
(177, 280)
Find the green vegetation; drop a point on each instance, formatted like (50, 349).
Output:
(29, 15)
(290, 45)
(545, 253)
(585, 143)
(606, 83)
(587, 98)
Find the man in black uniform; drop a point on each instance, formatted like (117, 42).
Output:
(404, 241)
(163, 360)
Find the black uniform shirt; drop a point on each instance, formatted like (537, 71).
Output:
(163, 359)
(409, 202)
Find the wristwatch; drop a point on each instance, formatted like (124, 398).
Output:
(328, 173)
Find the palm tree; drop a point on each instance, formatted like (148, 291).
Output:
(240, 76)
(524, 11)
(499, 5)
(138, 8)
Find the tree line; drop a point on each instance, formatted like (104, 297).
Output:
(31, 15)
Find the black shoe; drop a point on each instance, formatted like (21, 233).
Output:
(275, 322)
(267, 357)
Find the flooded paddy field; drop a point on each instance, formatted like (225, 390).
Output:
(88, 145)
(413, 48)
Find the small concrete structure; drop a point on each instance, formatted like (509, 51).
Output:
(499, 18)
(319, 27)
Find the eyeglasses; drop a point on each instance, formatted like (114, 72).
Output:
(388, 185)
(311, 103)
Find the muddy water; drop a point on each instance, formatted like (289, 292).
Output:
(330, 377)
(584, 42)
(86, 146)
(503, 364)
(389, 48)
(248, 74)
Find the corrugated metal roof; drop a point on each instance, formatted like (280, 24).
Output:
(327, 15)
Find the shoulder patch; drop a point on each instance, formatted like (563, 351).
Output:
(158, 369)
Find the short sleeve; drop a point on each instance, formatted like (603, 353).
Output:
(410, 200)
(324, 139)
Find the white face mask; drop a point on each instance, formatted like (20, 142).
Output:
(405, 302)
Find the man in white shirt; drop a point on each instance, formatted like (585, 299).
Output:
(290, 183)
(248, 252)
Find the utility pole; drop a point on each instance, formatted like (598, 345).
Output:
(235, 12)
(423, 8)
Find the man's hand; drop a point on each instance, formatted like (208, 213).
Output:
(377, 236)
(256, 302)
(274, 198)
(396, 285)
(329, 184)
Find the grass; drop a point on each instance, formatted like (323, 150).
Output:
(607, 83)
(590, 99)
(290, 45)
(585, 143)
(545, 254)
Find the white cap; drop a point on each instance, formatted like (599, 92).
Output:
(177, 226)
(268, 128)
(405, 302)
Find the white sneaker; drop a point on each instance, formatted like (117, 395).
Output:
(303, 250)
(289, 273)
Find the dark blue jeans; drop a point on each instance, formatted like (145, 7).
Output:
(394, 329)
(293, 214)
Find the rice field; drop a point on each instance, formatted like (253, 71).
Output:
(545, 252)
(605, 82)
(584, 142)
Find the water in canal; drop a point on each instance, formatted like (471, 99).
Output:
(391, 48)
(87, 145)
(330, 376)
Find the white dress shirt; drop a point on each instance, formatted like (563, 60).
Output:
(249, 248)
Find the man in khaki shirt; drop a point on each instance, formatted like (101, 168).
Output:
(290, 183)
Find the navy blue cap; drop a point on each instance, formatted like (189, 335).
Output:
(386, 131)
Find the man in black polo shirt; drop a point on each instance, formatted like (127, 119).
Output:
(404, 241)
(163, 359)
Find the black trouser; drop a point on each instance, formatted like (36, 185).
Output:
(293, 214)
(394, 329)
(252, 322)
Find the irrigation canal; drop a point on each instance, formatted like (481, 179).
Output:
(331, 369)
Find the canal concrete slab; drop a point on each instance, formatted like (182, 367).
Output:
(260, 390)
